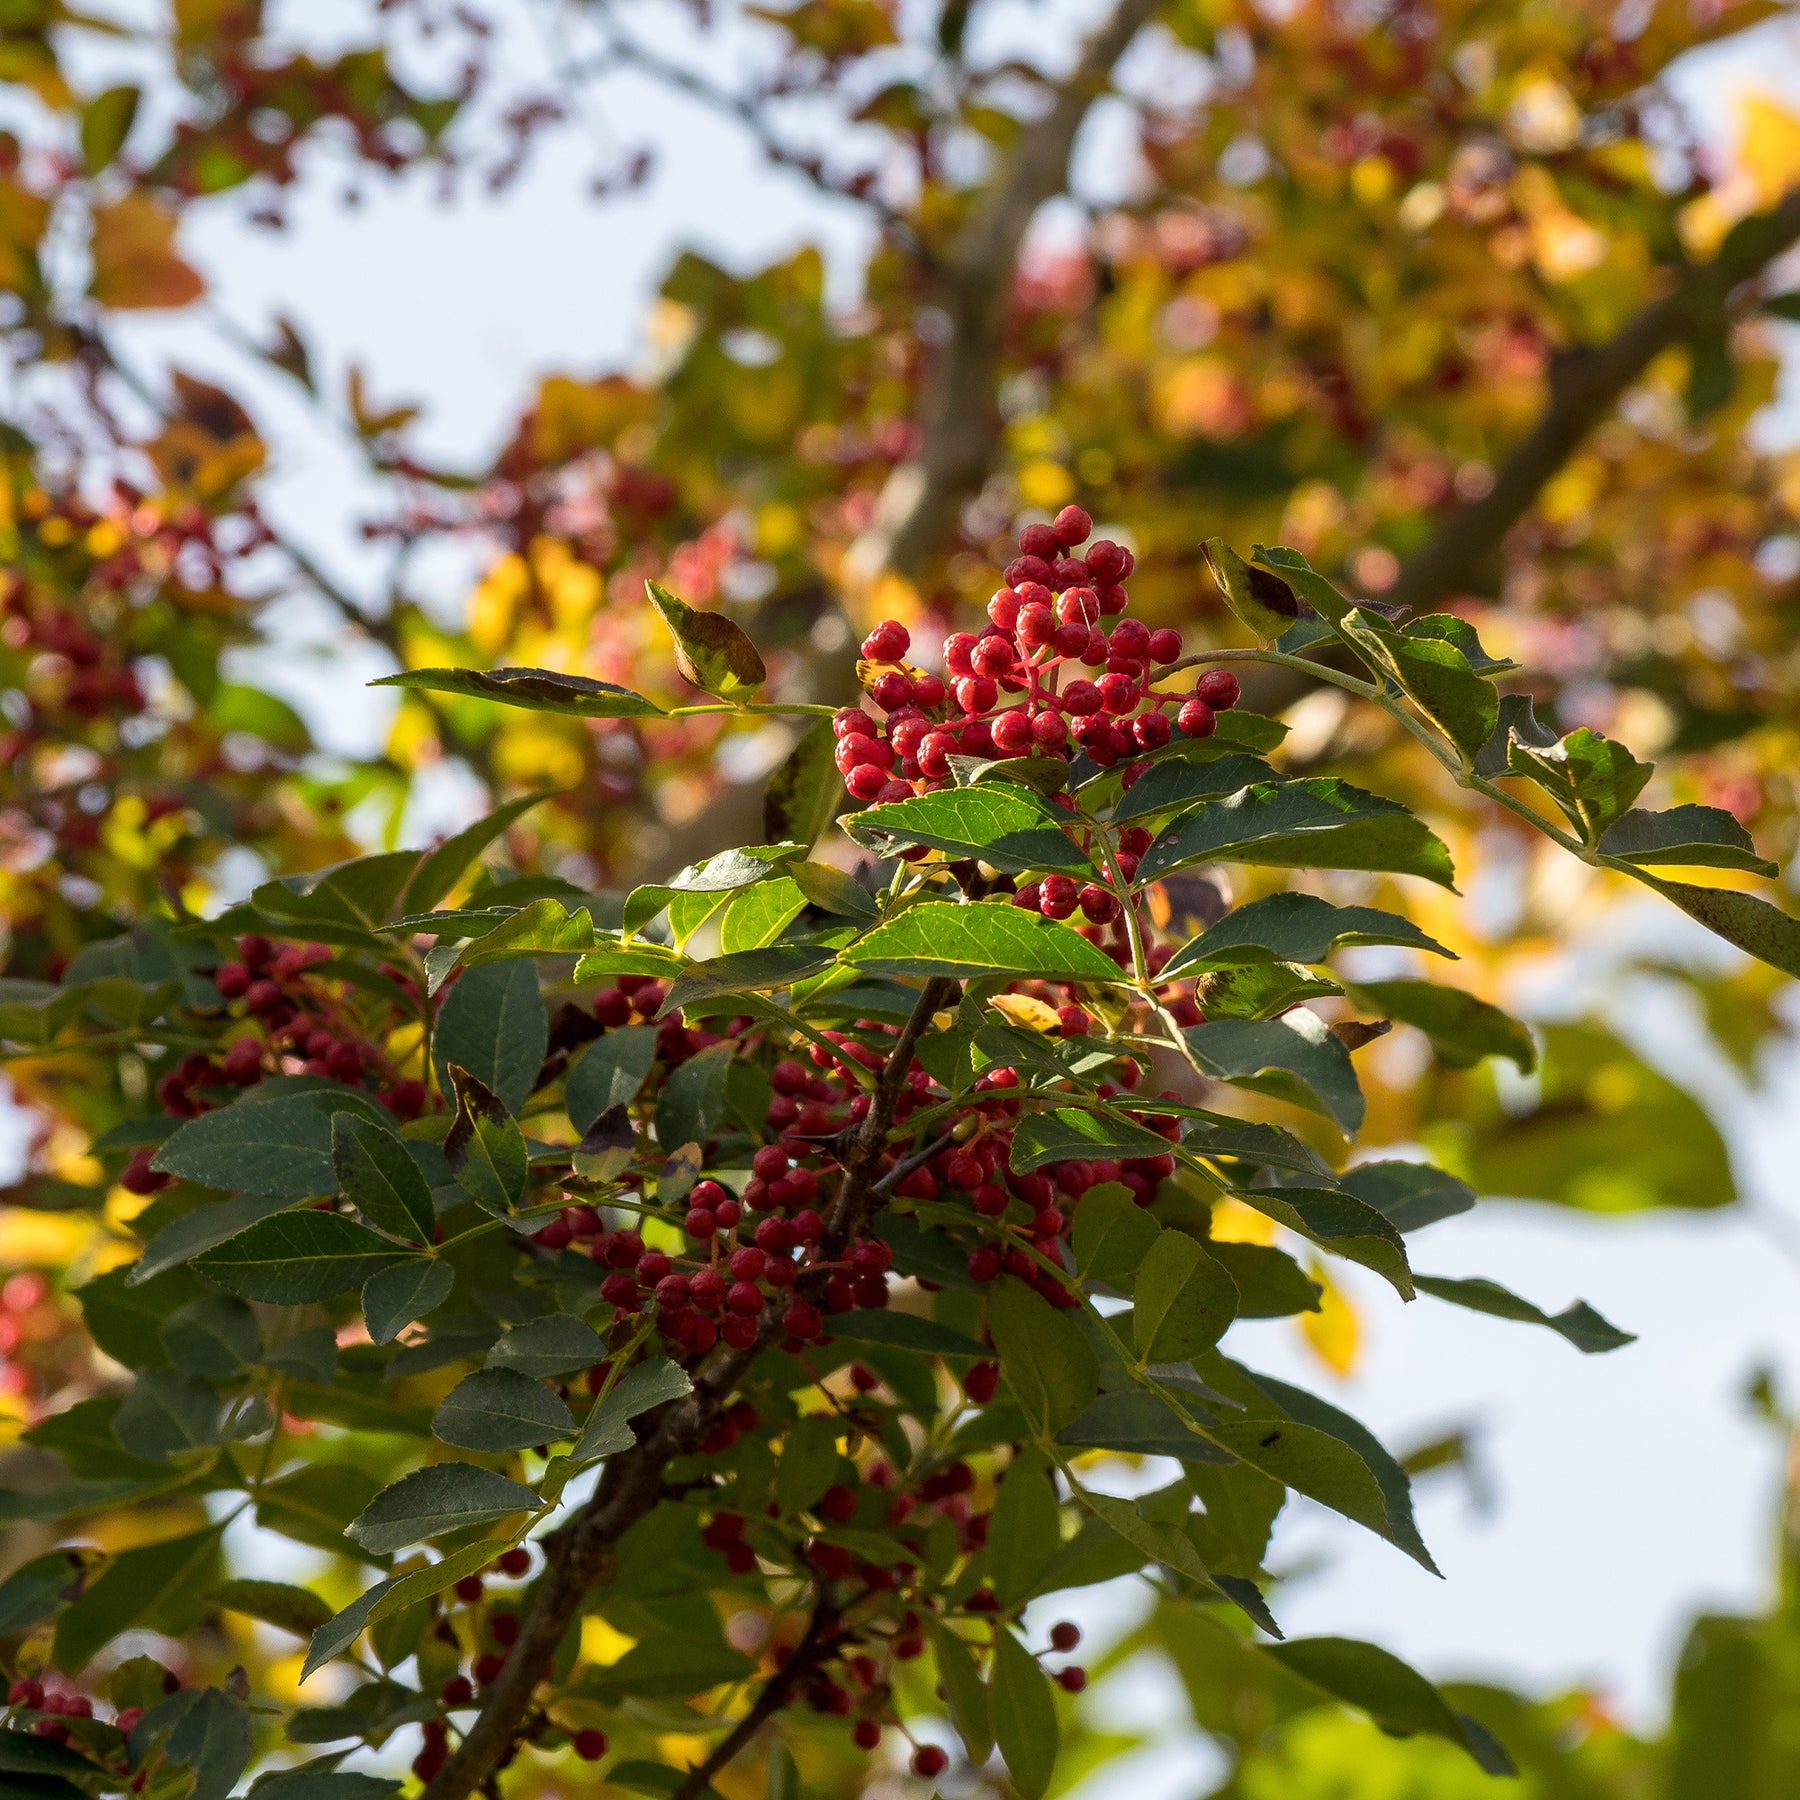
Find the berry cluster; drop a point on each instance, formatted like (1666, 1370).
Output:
(1047, 621)
(297, 1021)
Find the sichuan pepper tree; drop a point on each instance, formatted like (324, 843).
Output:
(581, 1292)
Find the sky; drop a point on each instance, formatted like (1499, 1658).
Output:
(1625, 1492)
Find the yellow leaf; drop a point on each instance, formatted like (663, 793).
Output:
(1022, 1009)
(135, 261)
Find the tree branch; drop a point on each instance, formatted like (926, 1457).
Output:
(957, 411)
(1585, 386)
(776, 1692)
(579, 1554)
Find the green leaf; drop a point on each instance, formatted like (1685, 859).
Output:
(669, 1666)
(1340, 1223)
(1318, 823)
(1291, 568)
(1261, 990)
(138, 1585)
(832, 891)
(542, 927)
(754, 919)
(1592, 779)
(905, 1331)
(990, 937)
(1462, 1028)
(1025, 1528)
(1449, 629)
(380, 1179)
(500, 1409)
(393, 1298)
(649, 1383)
(494, 1025)
(105, 125)
(320, 1781)
(1024, 1714)
(214, 1336)
(1242, 1505)
(341, 904)
(692, 1101)
(391, 1596)
(125, 1318)
(1579, 1323)
(1072, 1133)
(35, 1589)
(1397, 1697)
(1180, 781)
(809, 1462)
(1270, 1284)
(439, 1498)
(804, 794)
(1295, 1058)
(710, 651)
(1261, 601)
(1408, 1195)
(1185, 1300)
(202, 1229)
(441, 869)
(747, 972)
(296, 1258)
(537, 690)
(484, 1147)
(280, 1149)
(721, 874)
(1432, 672)
(1111, 1236)
(166, 1411)
(213, 1738)
(1689, 836)
(609, 1073)
(607, 1146)
(1607, 1133)
(963, 1690)
(1298, 928)
(1047, 1362)
(1008, 827)
(294, 1609)
(552, 1345)
(1137, 1422)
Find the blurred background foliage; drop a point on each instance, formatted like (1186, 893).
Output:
(1448, 294)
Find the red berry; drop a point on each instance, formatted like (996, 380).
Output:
(232, 980)
(866, 1734)
(1165, 645)
(892, 691)
(515, 1561)
(468, 1590)
(1071, 639)
(459, 1690)
(488, 1666)
(1108, 561)
(1130, 637)
(1071, 1680)
(1012, 733)
(254, 950)
(982, 1382)
(590, 1744)
(1059, 896)
(1072, 1021)
(1026, 568)
(1081, 698)
(1079, 606)
(802, 1320)
(888, 642)
(27, 1693)
(928, 692)
(1072, 526)
(848, 720)
(1152, 730)
(1048, 731)
(1098, 903)
(984, 1264)
(1118, 693)
(928, 1761)
(1041, 540)
(1196, 718)
(1064, 1636)
(505, 1627)
(1218, 688)
(1036, 626)
(976, 693)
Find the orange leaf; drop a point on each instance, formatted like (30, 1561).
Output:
(135, 261)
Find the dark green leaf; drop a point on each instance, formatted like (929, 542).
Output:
(279, 1148)
(1185, 1300)
(484, 1148)
(963, 1691)
(552, 1345)
(1579, 1323)
(1318, 823)
(318, 1781)
(1270, 1284)
(1399, 1699)
(644, 1385)
(990, 937)
(393, 1298)
(1180, 781)
(500, 1409)
(1260, 990)
(1765, 931)
(692, 1101)
(1290, 567)
(391, 1596)
(710, 651)
(125, 1318)
(609, 1073)
(537, 690)
(441, 1497)
(1294, 1058)
(35, 1589)
(1408, 1195)
(1112, 1233)
(166, 1411)
(1432, 672)
(1008, 827)
(137, 1585)
(495, 1026)
(1025, 1528)
(1462, 1028)
(1024, 1716)
(294, 1609)
(1690, 836)
(295, 1258)
(1071, 1133)
(1340, 1223)
(1137, 1422)
(310, 1353)
(1293, 928)
(747, 972)
(804, 794)
(832, 891)
(380, 1179)
(202, 1229)
(213, 1336)
(1047, 1362)
(608, 1146)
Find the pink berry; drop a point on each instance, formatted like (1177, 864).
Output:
(1196, 718)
